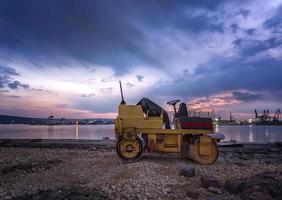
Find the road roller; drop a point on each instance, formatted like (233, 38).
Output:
(146, 127)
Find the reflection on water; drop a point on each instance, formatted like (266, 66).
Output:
(251, 133)
(251, 139)
(248, 133)
(76, 132)
(266, 133)
(216, 128)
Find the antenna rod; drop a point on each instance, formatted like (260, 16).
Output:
(122, 100)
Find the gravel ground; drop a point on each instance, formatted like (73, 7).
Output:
(91, 173)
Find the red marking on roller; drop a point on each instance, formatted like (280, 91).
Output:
(196, 125)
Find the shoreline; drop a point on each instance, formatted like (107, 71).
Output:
(107, 142)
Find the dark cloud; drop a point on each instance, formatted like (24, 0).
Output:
(14, 96)
(247, 96)
(129, 85)
(250, 31)
(230, 73)
(275, 23)
(62, 106)
(106, 91)
(17, 85)
(244, 12)
(227, 75)
(139, 78)
(200, 23)
(97, 32)
(89, 31)
(88, 95)
(5, 70)
(250, 47)
(6, 74)
(234, 27)
(7, 79)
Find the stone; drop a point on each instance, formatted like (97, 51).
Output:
(244, 157)
(211, 198)
(214, 190)
(278, 144)
(192, 194)
(234, 186)
(210, 181)
(188, 171)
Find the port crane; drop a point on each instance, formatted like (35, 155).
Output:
(276, 116)
(266, 119)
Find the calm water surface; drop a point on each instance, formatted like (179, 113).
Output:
(56, 131)
(246, 133)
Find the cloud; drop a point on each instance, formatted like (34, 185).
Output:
(244, 12)
(222, 75)
(5, 70)
(88, 95)
(247, 96)
(6, 74)
(275, 22)
(224, 100)
(14, 96)
(129, 85)
(106, 91)
(7, 79)
(139, 78)
(250, 47)
(230, 73)
(96, 33)
(207, 104)
(234, 27)
(17, 85)
(250, 31)
(199, 23)
(114, 34)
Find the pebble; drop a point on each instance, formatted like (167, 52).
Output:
(210, 181)
(234, 186)
(188, 171)
(192, 194)
(211, 198)
(214, 190)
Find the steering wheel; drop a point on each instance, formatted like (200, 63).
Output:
(173, 102)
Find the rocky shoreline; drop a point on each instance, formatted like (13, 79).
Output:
(89, 169)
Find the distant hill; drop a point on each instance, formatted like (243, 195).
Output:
(7, 119)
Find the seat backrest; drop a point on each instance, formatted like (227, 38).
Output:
(182, 111)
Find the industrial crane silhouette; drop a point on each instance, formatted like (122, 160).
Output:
(276, 116)
(266, 119)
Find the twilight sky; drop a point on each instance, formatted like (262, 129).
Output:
(66, 56)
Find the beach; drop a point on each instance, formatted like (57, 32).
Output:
(90, 169)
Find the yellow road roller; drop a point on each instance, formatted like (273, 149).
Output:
(146, 127)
